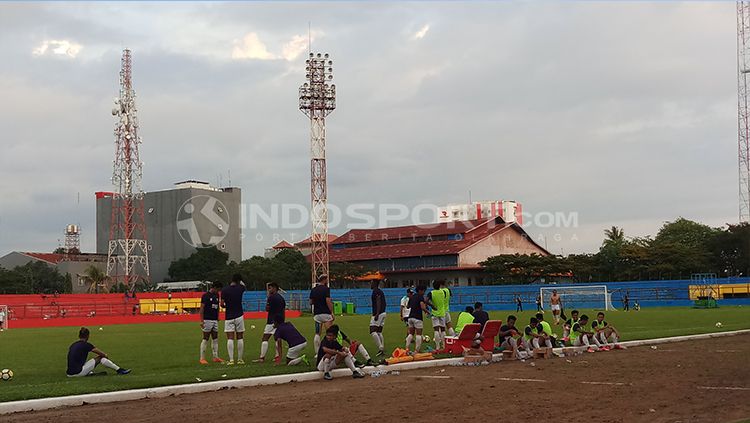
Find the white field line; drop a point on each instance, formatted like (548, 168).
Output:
(191, 388)
(724, 388)
(512, 379)
(605, 383)
(431, 377)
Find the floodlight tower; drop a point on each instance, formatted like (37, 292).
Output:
(317, 99)
(743, 112)
(127, 255)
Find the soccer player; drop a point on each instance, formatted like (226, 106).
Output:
(508, 334)
(555, 304)
(480, 316)
(464, 318)
(417, 308)
(519, 304)
(234, 324)
(581, 334)
(530, 336)
(569, 324)
(377, 321)
(355, 347)
(78, 366)
(437, 300)
(209, 313)
(539, 306)
(448, 323)
(331, 353)
(545, 333)
(285, 331)
(275, 306)
(405, 308)
(603, 331)
(322, 308)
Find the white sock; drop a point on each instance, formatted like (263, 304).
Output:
(436, 337)
(418, 343)
(535, 342)
(263, 349)
(548, 343)
(614, 338)
(409, 338)
(109, 364)
(240, 349)
(382, 341)
(361, 349)
(295, 362)
(215, 347)
(350, 363)
(316, 343)
(585, 340)
(376, 338)
(230, 349)
(203, 349)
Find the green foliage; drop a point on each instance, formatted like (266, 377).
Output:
(34, 277)
(199, 265)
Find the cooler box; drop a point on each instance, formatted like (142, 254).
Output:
(351, 308)
(338, 307)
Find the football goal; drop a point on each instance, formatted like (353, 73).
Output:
(595, 297)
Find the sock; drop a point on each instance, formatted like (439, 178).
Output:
(535, 342)
(240, 349)
(548, 343)
(418, 344)
(350, 363)
(295, 362)
(451, 331)
(376, 338)
(230, 348)
(215, 347)
(382, 341)
(585, 340)
(361, 349)
(203, 349)
(614, 338)
(263, 349)
(409, 338)
(436, 337)
(107, 363)
(316, 343)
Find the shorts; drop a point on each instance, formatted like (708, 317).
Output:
(88, 367)
(323, 318)
(447, 318)
(296, 351)
(555, 307)
(210, 326)
(234, 325)
(378, 320)
(415, 323)
(438, 322)
(269, 330)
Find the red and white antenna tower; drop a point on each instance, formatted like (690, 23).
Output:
(127, 256)
(317, 99)
(743, 112)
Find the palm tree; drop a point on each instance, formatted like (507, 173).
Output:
(614, 236)
(97, 278)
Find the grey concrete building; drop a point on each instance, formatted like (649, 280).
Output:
(180, 220)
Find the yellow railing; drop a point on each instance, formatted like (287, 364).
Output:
(718, 291)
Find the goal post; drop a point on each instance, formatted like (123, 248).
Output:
(595, 297)
(4, 317)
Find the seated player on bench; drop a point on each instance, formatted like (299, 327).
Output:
(508, 334)
(569, 324)
(582, 335)
(603, 331)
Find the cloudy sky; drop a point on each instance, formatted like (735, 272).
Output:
(622, 113)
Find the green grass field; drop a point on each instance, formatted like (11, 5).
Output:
(166, 354)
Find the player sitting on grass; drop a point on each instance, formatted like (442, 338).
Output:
(569, 324)
(79, 351)
(285, 331)
(604, 331)
(545, 333)
(508, 334)
(530, 338)
(275, 306)
(354, 346)
(581, 334)
(331, 353)
(209, 312)
(464, 318)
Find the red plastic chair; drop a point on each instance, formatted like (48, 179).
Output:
(456, 344)
(489, 333)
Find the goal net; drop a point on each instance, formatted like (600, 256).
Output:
(4, 317)
(591, 297)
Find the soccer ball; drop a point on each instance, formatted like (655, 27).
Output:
(252, 326)
(718, 324)
(6, 374)
(426, 338)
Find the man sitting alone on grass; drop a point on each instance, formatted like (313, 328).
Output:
(604, 331)
(285, 331)
(331, 353)
(581, 334)
(79, 351)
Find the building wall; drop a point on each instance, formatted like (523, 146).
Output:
(505, 241)
(77, 268)
(14, 259)
(163, 209)
(458, 277)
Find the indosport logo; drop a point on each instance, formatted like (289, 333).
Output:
(203, 221)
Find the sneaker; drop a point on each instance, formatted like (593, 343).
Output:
(217, 360)
(358, 364)
(369, 363)
(590, 350)
(357, 375)
(305, 360)
(229, 363)
(327, 376)
(202, 361)
(259, 360)
(277, 359)
(620, 347)
(380, 353)
(240, 362)
(606, 348)
(122, 371)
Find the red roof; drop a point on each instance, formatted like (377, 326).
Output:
(413, 231)
(306, 241)
(48, 257)
(54, 258)
(282, 245)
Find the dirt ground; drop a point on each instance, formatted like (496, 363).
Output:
(682, 382)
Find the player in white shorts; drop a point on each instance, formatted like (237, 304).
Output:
(405, 308)
(234, 325)
(275, 307)
(555, 304)
(417, 308)
(209, 313)
(377, 321)
(448, 321)
(322, 308)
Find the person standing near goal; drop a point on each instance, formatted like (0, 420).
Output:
(555, 304)
(322, 308)
(209, 312)
(234, 323)
(275, 307)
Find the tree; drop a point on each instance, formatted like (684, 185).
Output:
(199, 265)
(97, 279)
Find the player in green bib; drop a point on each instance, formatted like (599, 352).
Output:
(448, 324)
(603, 332)
(568, 324)
(582, 335)
(545, 335)
(437, 299)
(464, 318)
(530, 335)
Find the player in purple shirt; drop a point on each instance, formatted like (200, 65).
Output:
(234, 324)
(377, 321)
(209, 313)
(79, 351)
(285, 331)
(275, 307)
(331, 353)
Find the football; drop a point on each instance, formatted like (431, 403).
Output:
(6, 374)
(426, 338)
(718, 324)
